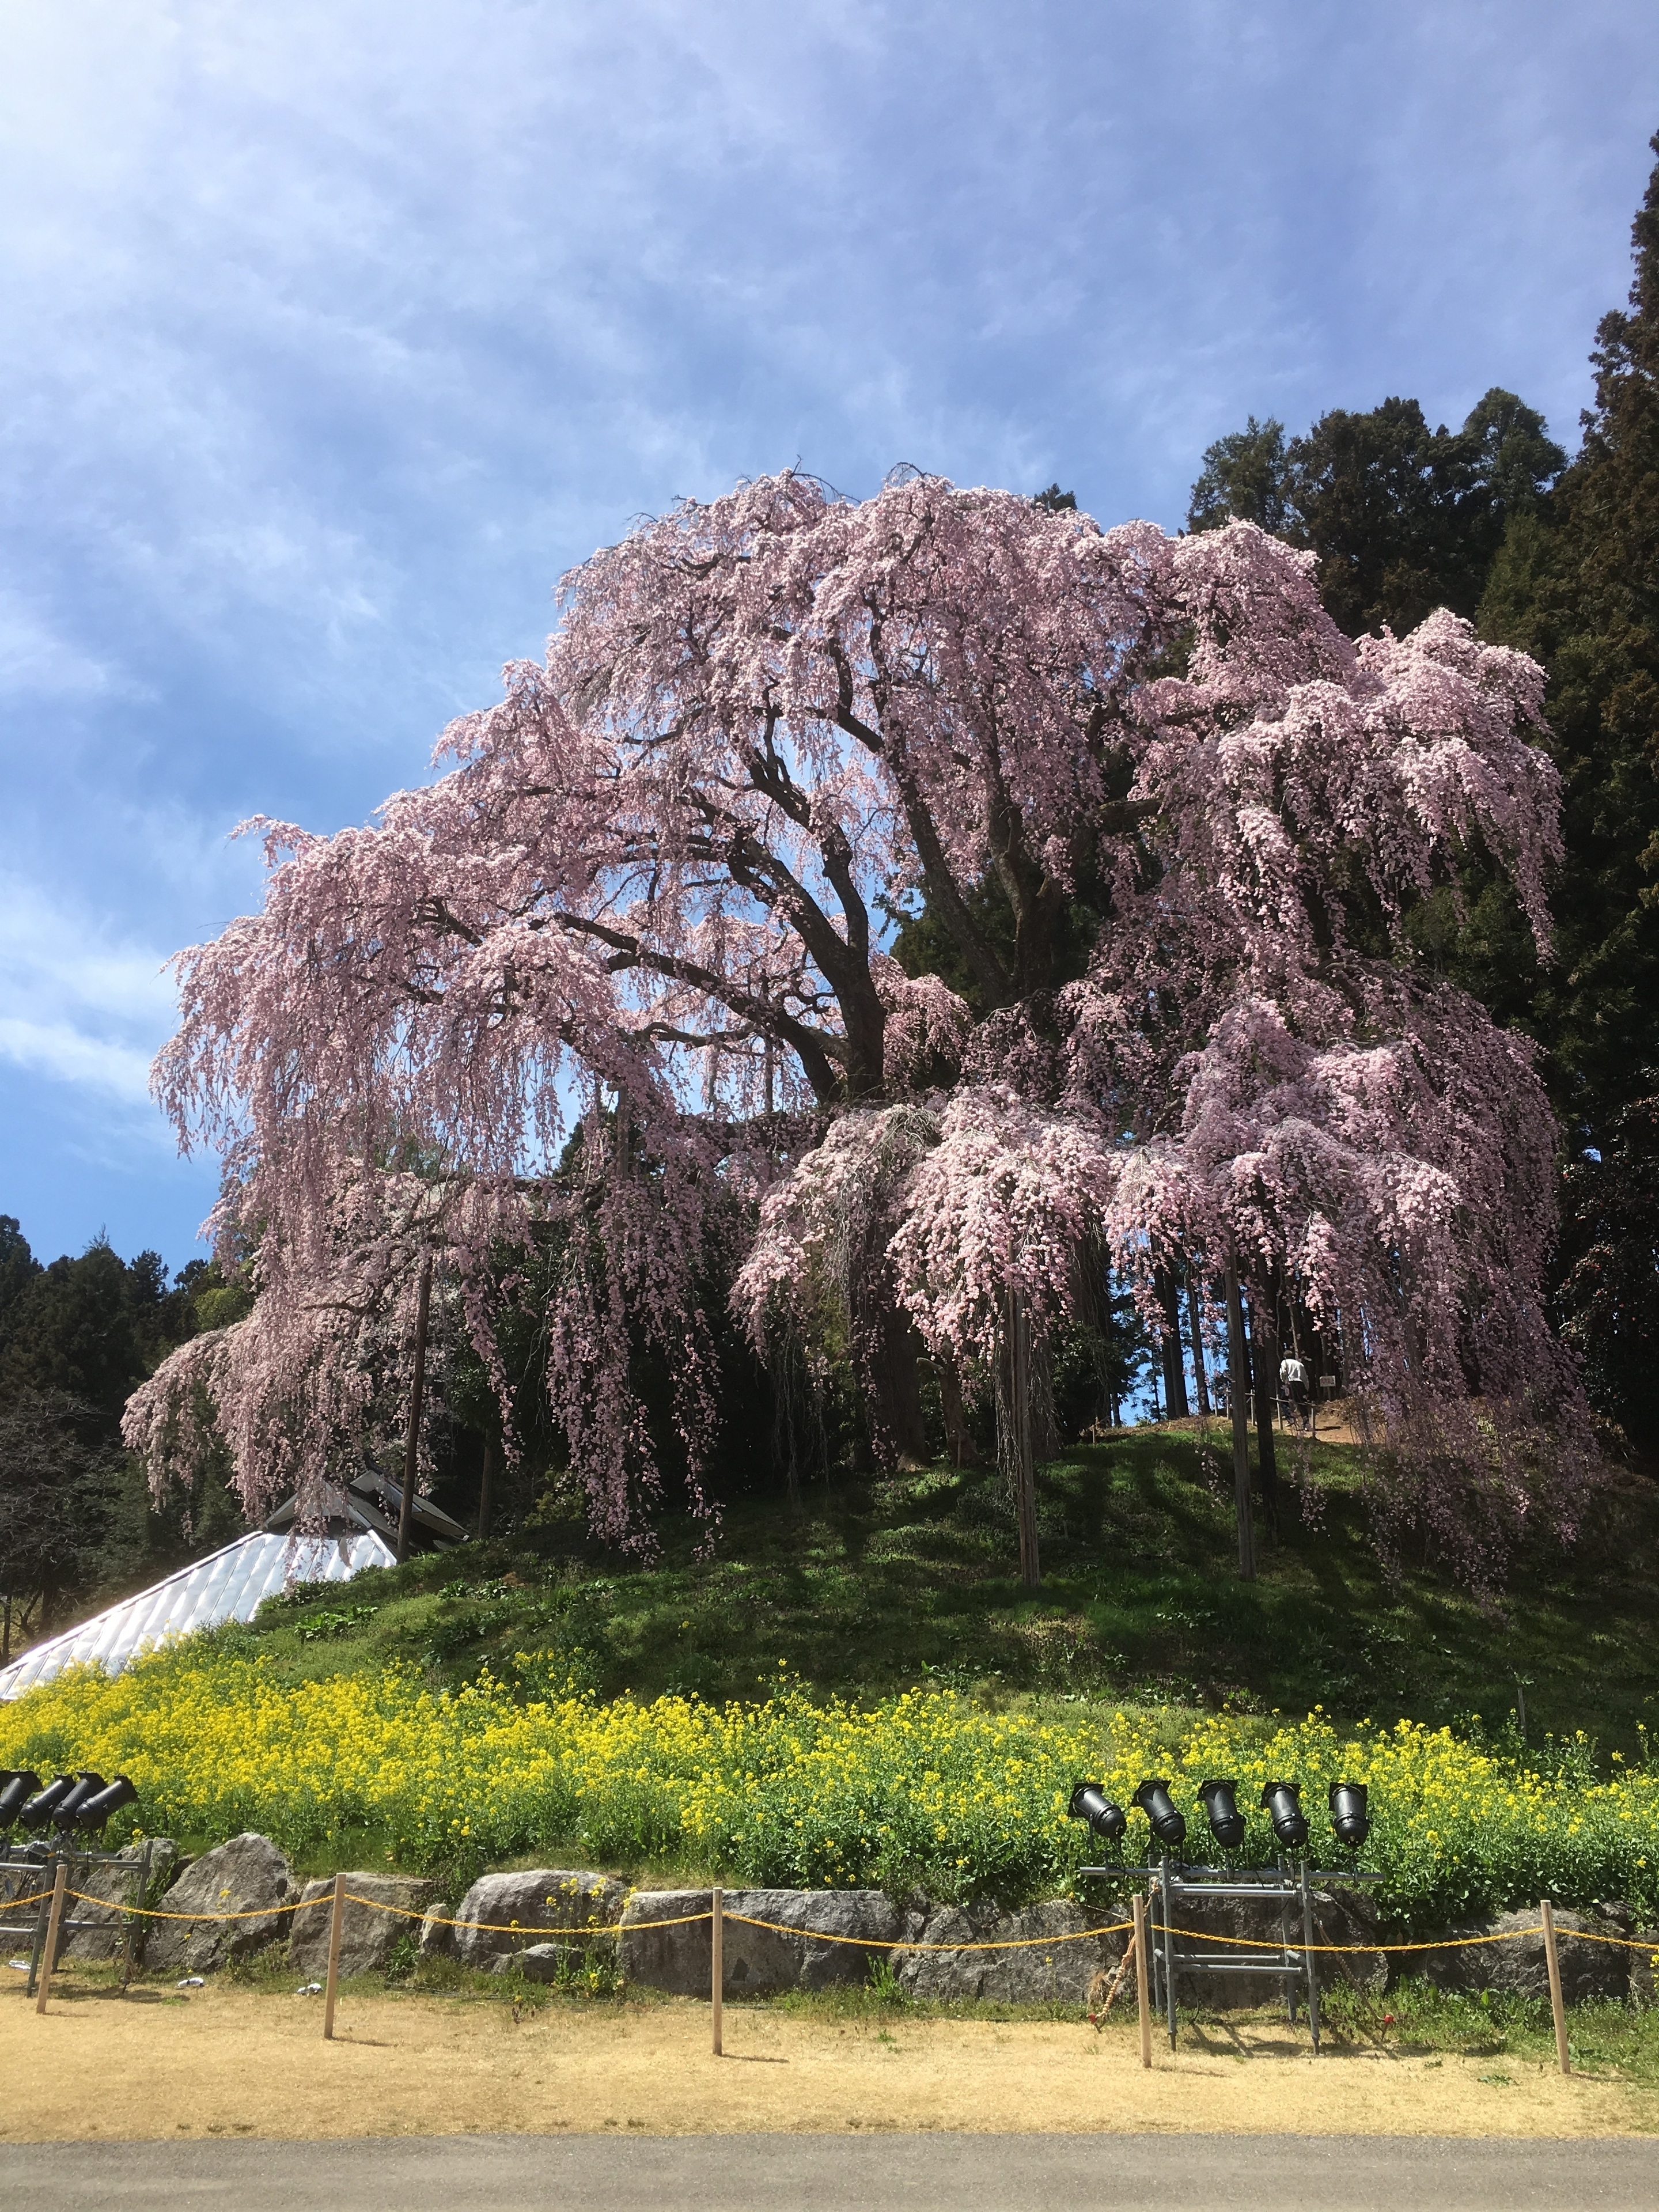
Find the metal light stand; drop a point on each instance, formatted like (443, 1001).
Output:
(1283, 1883)
(39, 1863)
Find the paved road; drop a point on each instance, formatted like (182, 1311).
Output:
(835, 2174)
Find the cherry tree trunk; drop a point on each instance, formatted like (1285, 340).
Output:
(892, 1379)
(1239, 1394)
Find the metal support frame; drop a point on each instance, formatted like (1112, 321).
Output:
(21, 1870)
(1285, 1884)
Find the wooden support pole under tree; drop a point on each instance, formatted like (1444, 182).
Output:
(60, 1881)
(1138, 1907)
(336, 1921)
(1551, 1961)
(1200, 1380)
(1263, 1338)
(716, 1962)
(416, 1391)
(1239, 1397)
(1024, 1454)
(486, 1487)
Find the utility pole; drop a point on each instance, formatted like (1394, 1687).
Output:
(417, 1391)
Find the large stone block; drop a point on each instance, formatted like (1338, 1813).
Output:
(1050, 1957)
(369, 1932)
(1518, 1965)
(247, 1878)
(832, 1935)
(113, 1884)
(541, 1963)
(437, 1936)
(515, 1910)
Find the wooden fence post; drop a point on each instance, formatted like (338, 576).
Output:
(335, 1924)
(1552, 1961)
(717, 1960)
(51, 1959)
(1137, 1906)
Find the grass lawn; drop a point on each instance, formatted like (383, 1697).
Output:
(874, 1587)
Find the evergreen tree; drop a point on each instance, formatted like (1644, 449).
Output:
(76, 1339)
(1402, 518)
(1577, 585)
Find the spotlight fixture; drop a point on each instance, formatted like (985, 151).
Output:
(1284, 1802)
(1089, 1803)
(1226, 1821)
(38, 1811)
(92, 1812)
(1169, 1825)
(15, 1784)
(65, 1812)
(1350, 1813)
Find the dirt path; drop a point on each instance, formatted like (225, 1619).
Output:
(221, 2061)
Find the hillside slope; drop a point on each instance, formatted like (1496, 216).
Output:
(911, 1579)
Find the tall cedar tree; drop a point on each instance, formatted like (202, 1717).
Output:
(76, 1338)
(1402, 518)
(1576, 586)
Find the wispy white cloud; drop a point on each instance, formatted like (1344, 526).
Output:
(78, 1006)
(70, 1056)
(38, 660)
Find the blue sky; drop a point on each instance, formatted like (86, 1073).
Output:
(332, 334)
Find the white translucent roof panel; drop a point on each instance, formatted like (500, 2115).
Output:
(228, 1585)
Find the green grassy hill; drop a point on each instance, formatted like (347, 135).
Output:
(911, 1579)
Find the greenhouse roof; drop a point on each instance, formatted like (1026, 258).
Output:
(228, 1585)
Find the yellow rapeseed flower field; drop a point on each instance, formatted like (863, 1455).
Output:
(922, 1789)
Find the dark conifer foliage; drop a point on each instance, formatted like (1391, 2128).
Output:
(1403, 519)
(1577, 585)
(76, 1338)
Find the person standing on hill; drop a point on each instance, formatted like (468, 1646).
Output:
(1293, 1388)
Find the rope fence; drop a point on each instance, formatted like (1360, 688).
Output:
(717, 1917)
(821, 1935)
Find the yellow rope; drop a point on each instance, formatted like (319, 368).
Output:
(1265, 1942)
(153, 1913)
(1624, 1942)
(822, 1936)
(902, 1943)
(11, 1903)
(513, 1928)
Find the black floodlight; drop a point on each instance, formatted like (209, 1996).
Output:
(1089, 1803)
(92, 1812)
(15, 1784)
(1349, 1814)
(1284, 1802)
(87, 1784)
(38, 1813)
(1226, 1821)
(1155, 1801)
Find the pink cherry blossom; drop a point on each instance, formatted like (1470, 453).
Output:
(615, 990)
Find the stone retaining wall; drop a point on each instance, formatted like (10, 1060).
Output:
(933, 1951)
